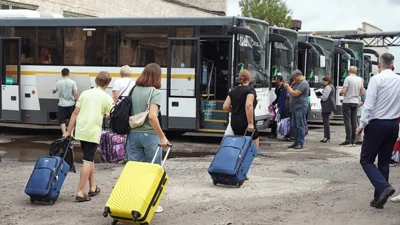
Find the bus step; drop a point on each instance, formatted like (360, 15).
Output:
(215, 124)
(215, 114)
(211, 131)
(212, 104)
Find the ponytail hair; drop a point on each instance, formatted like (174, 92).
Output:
(244, 76)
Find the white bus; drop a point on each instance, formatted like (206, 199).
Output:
(315, 60)
(283, 51)
(200, 60)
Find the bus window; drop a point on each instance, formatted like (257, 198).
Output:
(28, 44)
(143, 45)
(344, 72)
(258, 78)
(49, 46)
(184, 32)
(10, 62)
(90, 46)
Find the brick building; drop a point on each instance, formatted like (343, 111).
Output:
(123, 8)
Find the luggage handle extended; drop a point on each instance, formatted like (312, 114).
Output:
(169, 146)
(252, 133)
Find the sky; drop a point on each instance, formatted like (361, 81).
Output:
(342, 15)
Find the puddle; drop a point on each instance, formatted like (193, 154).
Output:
(29, 149)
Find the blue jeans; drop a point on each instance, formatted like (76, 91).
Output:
(142, 147)
(298, 123)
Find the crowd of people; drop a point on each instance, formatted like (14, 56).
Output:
(377, 117)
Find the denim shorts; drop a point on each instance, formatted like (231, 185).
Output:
(142, 147)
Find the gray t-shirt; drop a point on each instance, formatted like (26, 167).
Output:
(65, 88)
(354, 85)
(302, 100)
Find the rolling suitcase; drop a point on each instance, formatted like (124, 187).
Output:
(138, 192)
(112, 147)
(233, 160)
(47, 178)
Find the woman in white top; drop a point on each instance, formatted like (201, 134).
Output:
(123, 85)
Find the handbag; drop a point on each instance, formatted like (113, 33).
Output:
(137, 120)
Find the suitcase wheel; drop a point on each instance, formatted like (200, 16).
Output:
(32, 200)
(52, 202)
(238, 185)
(114, 222)
(214, 182)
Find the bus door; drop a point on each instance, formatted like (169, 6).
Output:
(183, 93)
(10, 75)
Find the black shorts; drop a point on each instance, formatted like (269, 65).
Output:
(65, 113)
(89, 151)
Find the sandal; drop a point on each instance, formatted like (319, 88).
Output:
(94, 193)
(85, 198)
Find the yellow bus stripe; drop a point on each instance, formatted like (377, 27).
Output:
(135, 75)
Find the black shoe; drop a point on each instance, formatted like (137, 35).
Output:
(272, 136)
(384, 197)
(359, 142)
(298, 147)
(292, 146)
(345, 143)
(325, 140)
(373, 204)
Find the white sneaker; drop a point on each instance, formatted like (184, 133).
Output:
(159, 209)
(395, 199)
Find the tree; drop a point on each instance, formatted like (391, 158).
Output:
(275, 10)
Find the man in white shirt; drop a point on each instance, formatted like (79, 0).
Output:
(353, 89)
(123, 86)
(379, 120)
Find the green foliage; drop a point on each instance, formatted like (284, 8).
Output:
(275, 10)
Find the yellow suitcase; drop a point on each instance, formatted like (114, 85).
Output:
(138, 192)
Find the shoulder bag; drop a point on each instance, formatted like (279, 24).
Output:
(137, 120)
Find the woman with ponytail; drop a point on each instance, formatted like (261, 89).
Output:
(241, 103)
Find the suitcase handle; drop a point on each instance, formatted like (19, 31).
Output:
(252, 133)
(169, 146)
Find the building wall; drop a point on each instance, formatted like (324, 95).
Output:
(125, 8)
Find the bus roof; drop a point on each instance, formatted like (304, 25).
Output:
(284, 29)
(122, 21)
(339, 41)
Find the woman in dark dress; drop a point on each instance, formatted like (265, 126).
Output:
(241, 103)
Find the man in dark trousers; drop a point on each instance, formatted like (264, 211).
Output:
(379, 120)
(278, 90)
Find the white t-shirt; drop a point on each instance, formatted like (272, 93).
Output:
(121, 84)
(354, 85)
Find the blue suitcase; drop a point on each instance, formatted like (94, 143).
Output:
(47, 178)
(233, 160)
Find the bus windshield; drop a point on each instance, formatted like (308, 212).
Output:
(358, 49)
(279, 56)
(316, 73)
(258, 71)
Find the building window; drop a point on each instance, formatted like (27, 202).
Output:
(90, 46)
(140, 46)
(9, 5)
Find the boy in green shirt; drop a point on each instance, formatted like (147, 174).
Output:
(88, 116)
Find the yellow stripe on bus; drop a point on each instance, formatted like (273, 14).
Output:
(134, 75)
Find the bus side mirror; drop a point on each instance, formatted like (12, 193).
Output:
(315, 58)
(257, 53)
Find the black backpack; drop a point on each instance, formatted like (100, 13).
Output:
(119, 115)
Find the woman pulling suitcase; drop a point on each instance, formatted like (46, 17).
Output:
(241, 103)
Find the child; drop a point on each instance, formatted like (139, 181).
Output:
(88, 117)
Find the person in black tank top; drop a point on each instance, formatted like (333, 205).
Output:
(241, 102)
